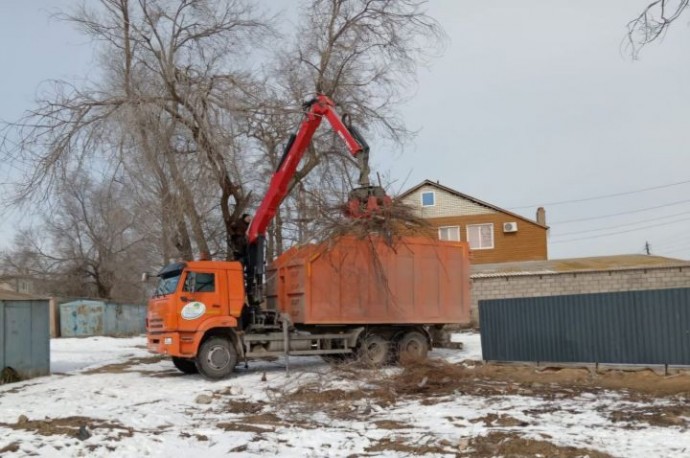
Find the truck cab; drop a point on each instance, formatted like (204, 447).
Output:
(194, 301)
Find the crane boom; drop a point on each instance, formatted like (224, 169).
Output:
(315, 110)
(318, 108)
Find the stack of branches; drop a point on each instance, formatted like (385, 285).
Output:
(388, 223)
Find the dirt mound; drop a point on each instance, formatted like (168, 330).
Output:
(435, 378)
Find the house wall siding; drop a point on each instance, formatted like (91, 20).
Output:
(527, 244)
(447, 204)
(506, 287)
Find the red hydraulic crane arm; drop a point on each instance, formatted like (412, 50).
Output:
(318, 108)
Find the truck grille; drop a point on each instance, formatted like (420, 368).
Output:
(155, 324)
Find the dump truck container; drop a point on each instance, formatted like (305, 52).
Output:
(413, 280)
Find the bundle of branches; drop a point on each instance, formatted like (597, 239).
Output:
(389, 223)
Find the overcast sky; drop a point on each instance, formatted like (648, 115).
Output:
(533, 103)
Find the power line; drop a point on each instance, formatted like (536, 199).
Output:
(621, 213)
(620, 225)
(621, 232)
(604, 196)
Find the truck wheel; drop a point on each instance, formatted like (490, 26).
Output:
(217, 358)
(374, 351)
(188, 366)
(413, 347)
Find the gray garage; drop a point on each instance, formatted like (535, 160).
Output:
(24, 335)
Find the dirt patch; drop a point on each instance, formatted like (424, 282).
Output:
(118, 368)
(17, 389)
(244, 427)
(263, 423)
(315, 395)
(336, 403)
(402, 446)
(493, 419)
(244, 407)
(512, 445)
(163, 374)
(653, 415)
(436, 378)
(199, 437)
(646, 381)
(391, 424)
(435, 381)
(11, 448)
(69, 426)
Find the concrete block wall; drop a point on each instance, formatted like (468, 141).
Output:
(555, 284)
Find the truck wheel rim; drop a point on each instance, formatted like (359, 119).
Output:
(218, 357)
(413, 348)
(376, 352)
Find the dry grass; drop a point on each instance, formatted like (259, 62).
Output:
(513, 445)
(68, 426)
(9, 375)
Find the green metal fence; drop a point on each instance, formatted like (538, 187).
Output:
(634, 327)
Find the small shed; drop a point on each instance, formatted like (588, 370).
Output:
(85, 317)
(24, 334)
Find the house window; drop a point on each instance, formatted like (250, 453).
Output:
(428, 199)
(480, 236)
(451, 233)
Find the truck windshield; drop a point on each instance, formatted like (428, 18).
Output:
(167, 284)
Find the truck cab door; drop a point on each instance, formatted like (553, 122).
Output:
(201, 298)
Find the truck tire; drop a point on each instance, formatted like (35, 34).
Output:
(412, 347)
(188, 366)
(374, 351)
(217, 358)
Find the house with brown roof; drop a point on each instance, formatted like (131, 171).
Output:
(495, 235)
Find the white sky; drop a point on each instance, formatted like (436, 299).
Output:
(532, 103)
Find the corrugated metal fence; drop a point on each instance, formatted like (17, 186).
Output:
(83, 318)
(24, 337)
(634, 327)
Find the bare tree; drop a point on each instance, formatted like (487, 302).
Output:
(168, 89)
(181, 112)
(364, 54)
(653, 23)
(85, 246)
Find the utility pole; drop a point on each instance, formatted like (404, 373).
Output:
(647, 248)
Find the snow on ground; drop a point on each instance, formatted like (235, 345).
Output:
(134, 404)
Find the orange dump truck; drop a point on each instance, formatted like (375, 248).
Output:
(353, 299)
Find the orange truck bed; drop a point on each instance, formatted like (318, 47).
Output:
(418, 280)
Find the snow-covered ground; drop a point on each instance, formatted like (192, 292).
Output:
(133, 404)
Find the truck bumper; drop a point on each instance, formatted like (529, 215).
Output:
(172, 344)
(164, 343)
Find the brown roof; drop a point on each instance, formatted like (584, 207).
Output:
(591, 264)
(470, 198)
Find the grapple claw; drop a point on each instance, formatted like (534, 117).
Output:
(367, 202)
